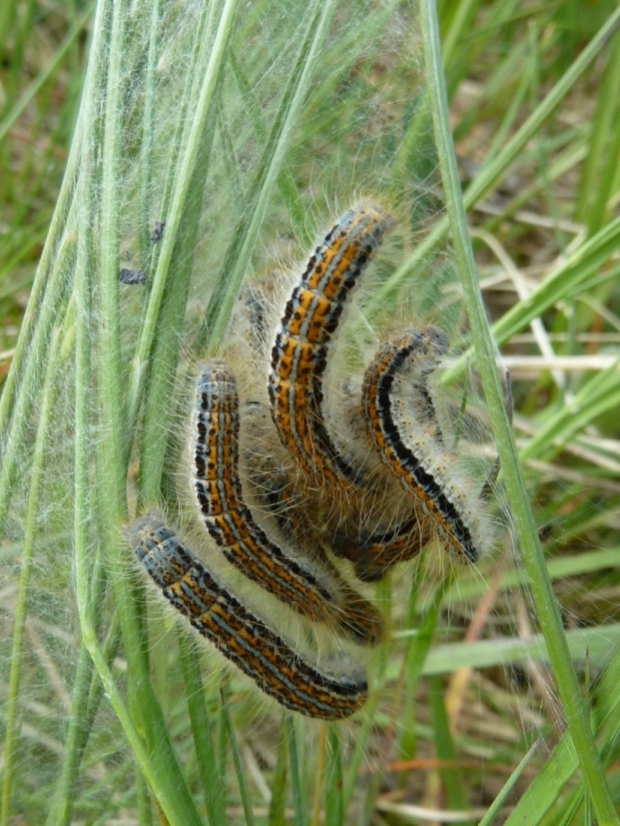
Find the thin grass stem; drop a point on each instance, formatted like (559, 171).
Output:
(211, 774)
(185, 180)
(248, 811)
(34, 368)
(502, 797)
(542, 591)
(334, 803)
(237, 259)
(296, 785)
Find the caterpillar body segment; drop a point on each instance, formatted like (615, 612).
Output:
(360, 616)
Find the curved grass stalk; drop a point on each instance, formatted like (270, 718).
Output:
(50, 392)
(533, 558)
(85, 702)
(143, 721)
(41, 310)
(20, 400)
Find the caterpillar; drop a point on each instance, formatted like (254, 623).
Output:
(242, 636)
(314, 590)
(400, 435)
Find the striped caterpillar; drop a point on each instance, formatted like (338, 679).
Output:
(241, 635)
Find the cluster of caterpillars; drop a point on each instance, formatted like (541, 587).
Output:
(372, 482)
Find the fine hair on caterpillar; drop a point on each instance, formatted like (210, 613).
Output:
(289, 469)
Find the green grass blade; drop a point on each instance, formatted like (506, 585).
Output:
(334, 808)
(417, 652)
(279, 785)
(494, 808)
(595, 183)
(20, 404)
(246, 802)
(298, 803)
(449, 657)
(445, 750)
(211, 773)
(544, 598)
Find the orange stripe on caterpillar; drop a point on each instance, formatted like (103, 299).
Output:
(242, 636)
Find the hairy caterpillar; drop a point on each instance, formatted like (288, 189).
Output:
(299, 354)
(242, 636)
